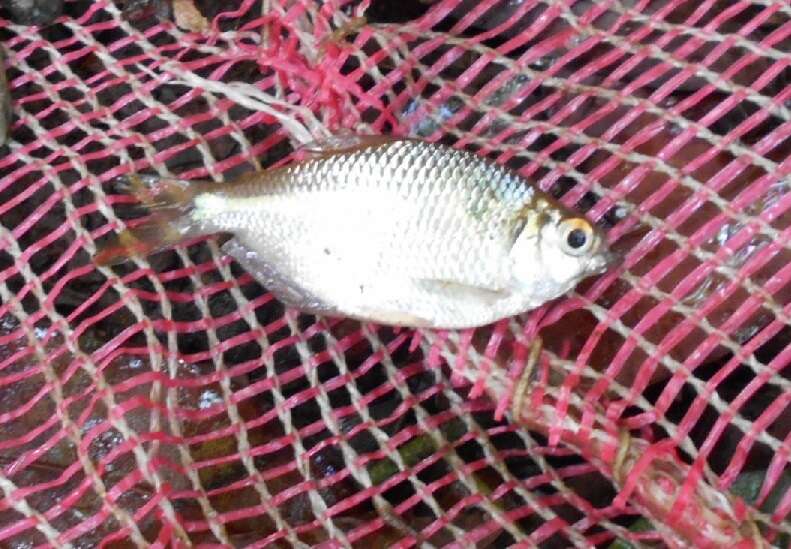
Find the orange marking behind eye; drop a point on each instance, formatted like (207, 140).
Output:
(578, 223)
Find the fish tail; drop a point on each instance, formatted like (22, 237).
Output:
(170, 201)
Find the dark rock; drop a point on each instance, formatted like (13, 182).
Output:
(33, 12)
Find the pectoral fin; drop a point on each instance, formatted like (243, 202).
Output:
(449, 287)
(456, 294)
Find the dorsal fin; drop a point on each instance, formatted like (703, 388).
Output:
(346, 143)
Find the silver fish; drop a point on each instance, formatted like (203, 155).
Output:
(394, 231)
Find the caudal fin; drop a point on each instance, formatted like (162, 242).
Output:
(169, 201)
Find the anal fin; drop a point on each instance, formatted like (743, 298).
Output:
(280, 284)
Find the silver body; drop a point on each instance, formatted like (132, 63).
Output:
(399, 232)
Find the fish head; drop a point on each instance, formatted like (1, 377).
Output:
(557, 252)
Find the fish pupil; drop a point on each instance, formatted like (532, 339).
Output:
(576, 239)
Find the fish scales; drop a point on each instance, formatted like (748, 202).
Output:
(314, 195)
(396, 231)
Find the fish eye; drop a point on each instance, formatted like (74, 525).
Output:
(576, 236)
(576, 239)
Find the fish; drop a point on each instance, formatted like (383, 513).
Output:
(389, 230)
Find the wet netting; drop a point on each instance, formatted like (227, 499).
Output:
(173, 401)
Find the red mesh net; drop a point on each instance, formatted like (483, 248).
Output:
(173, 401)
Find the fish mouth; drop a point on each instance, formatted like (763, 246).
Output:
(602, 261)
